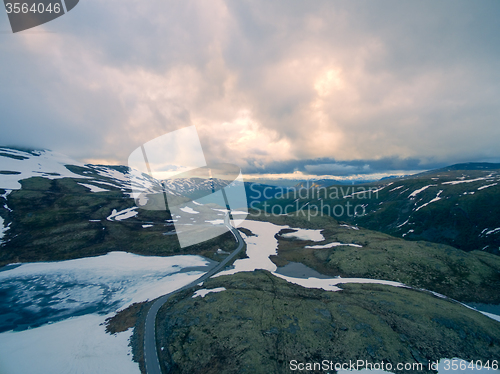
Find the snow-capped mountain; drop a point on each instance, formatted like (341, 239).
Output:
(458, 206)
(54, 208)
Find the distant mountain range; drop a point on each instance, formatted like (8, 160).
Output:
(53, 208)
(458, 205)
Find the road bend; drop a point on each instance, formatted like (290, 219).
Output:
(150, 349)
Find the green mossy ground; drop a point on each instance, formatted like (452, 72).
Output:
(457, 219)
(261, 322)
(467, 277)
(50, 221)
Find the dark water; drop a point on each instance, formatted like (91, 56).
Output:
(25, 303)
(299, 270)
(9, 267)
(489, 308)
(32, 301)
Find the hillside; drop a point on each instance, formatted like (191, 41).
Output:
(259, 323)
(56, 209)
(365, 294)
(457, 207)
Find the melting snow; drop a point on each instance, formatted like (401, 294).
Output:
(493, 231)
(331, 284)
(112, 173)
(46, 164)
(416, 192)
(437, 198)
(205, 292)
(146, 226)
(263, 244)
(259, 247)
(396, 188)
(409, 231)
(3, 229)
(216, 222)
(122, 214)
(491, 315)
(7, 193)
(350, 227)
(489, 185)
(232, 211)
(306, 234)
(404, 223)
(334, 244)
(93, 188)
(77, 345)
(132, 278)
(80, 345)
(467, 181)
(187, 209)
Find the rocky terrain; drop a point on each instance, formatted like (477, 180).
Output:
(260, 323)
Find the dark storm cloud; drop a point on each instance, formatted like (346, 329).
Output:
(327, 166)
(275, 87)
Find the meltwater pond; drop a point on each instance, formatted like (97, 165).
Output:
(34, 294)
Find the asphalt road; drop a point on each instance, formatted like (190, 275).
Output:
(150, 349)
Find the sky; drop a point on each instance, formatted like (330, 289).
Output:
(290, 88)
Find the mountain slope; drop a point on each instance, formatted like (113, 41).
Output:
(460, 208)
(53, 208)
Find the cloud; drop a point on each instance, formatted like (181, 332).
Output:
(322, 87)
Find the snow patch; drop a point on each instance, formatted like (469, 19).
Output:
(80, 345)
(305, 234)
(122, 214)
(467, 181)
(3, 229)
(489, 185)
(416, 192)
(404, 223)
(131, 278)
(492, 231)
(205, 291)
(350, 227)
(45, 164)
(216, 222)
(77, 345)
(330, 245)
(187, 209)
(331, 284)
(93, 188)
(409, 232)
(263, 244)
(396, 188)
(437, 198)
(259, 247)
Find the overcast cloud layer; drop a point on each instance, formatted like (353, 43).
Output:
(317, 86)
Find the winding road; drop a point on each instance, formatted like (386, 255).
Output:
(150, 349)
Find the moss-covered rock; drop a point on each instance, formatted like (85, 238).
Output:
(261, 323)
